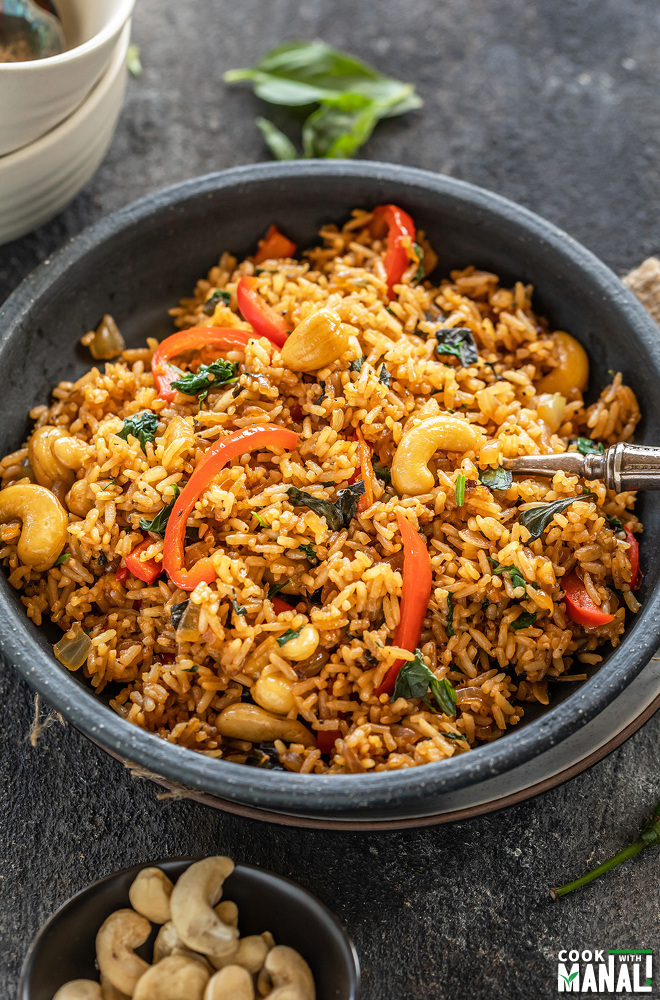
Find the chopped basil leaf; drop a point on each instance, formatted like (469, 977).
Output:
(207, 377)
(191, 670)
(614, 522)
(517, 579)
(102, 559)
(320, 398)
(215, 298)
(496, 479)
(384, 376)
(310, 552)
(288, 636)
(260, 519)
(588, 447)
(524, 620)
(419, 273)
(159, 523)
(238, 608)
(537, 518)
(338, 514)
(356, 366)
(381, 472)
(111, 483)
(61, 559)
(142, 426)
(454, 736)
(414, 680)
(177, 612)
(449, 627)
(275, 588)
(459, 342)
(264, 755)
(370, 658)
(460, 489)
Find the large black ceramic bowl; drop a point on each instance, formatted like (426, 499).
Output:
(64, 948)
(139, 261)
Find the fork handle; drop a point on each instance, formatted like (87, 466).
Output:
(622, 467)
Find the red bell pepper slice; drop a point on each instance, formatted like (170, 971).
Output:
(274, 246)
(222, 451)
(415, 596)
(280, 605)
(262, 318)
(580, 607)
(122, 574)
(400, 237)
(194, 339)
(149, 570)
(326, 739)
(364, 454)
(633, 555)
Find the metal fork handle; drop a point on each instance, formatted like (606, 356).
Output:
(622, 467)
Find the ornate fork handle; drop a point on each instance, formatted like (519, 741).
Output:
(622, 467)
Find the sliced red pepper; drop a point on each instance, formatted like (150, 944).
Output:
(262, 318)
(580, 607)
(122, 574)
(364, 454)
(415, 596)
(633, 555)
(149, 570)
(274, 246)
(326, 739)
(194, 339)
(400, 237)
(279, 605)
(222, 451)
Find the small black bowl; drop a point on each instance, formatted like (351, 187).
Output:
(64, 947)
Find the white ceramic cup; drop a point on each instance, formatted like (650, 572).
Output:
(36, 96)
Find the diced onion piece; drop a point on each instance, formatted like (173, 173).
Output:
(73, 648)
(188, 630)
(107, 341)
(550, 408)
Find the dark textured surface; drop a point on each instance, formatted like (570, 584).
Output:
(556, 106)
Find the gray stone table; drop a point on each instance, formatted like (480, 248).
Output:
(554, 103)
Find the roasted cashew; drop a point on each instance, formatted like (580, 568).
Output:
(228, 912)
(53, 453)
(303, 645)
(292, 977)
(110, 992)
(316, 342)
(410, 473)
(79, 989)
(150, 895)
(167, 940)
(230, 983)
(195, 894)
(45, 522)
(250, 954)
(119, 935)
(571, 373)
(80, 499)
(175, 978)
(249, 722)
(273, 691)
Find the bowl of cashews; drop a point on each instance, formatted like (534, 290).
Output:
(192, 929)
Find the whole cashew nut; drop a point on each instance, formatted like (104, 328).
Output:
(119, 935)
(150, 895)
(231, 983)
(79, 989)
(175, 978)
(228, 912)
(110, 992)
(45, 523)
(195, 894)
(167, 940)
(410, 472)
(250, 954)
(292, 977)
(249, 722)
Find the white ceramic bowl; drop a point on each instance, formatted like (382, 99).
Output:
(37, 181)
(36, 96)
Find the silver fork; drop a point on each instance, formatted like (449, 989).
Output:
(621, 467)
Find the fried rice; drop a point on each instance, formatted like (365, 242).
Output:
(174, 675)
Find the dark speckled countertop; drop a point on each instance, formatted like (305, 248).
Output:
(556, 104)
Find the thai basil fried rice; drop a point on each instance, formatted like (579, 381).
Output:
(230, 670)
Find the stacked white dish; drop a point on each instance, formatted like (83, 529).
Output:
(58, 115)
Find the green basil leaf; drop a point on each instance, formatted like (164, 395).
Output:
(338, 514)
(356, 366)
(177, 612)
(614, 522)
(64, 557)
(207, 377)
(217, 296)
(279, 144)
(310, 552)
(449, 625)
(159, 522)
(141, 426)
(275, 588)
(384, 376)
(337, 130)
(443, 691)
(454, 736)
(537, 518)
(496, 479)
(260, 520)
(523, 620)
(419, 273)
(288, 636)
(588, 447)
(460, 489)
(458, 341)
(415, 679)
(381, 472)
(321, 397)
(517, 579)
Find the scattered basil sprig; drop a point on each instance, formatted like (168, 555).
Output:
(517, 579)
(415, 679)
(207, 377)
(459, 342)
(537, 518)
(338, 514)
(381, 472)
(449, 626)
(159, 522)
(588, 447)
(142, 426)
(310, 552)
(217, 296)
(177, 612)
(351, 97)
(523, 620)
(496, 479)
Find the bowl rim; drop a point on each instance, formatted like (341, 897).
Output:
(291, 793)
(112, 27)
(40, 146)
(312, 902)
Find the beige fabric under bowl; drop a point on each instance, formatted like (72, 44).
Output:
(36, 96)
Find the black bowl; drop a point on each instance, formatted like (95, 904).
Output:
(64, 947)
(139, 261)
